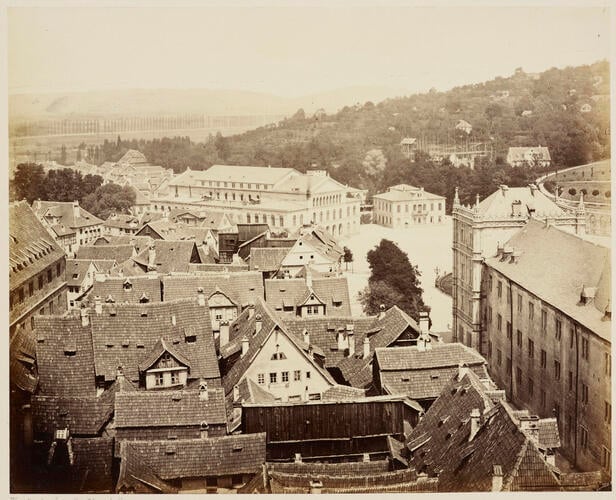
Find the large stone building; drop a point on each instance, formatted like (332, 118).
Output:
(477, 231)
(404, 206)
(280, 197)
(545, 328)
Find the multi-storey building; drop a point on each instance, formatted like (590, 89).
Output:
(37, 266)
(477, 231)
(69, 224)
(404, 205)
(280, 197)
(546, 317)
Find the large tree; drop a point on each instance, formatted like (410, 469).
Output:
(393, 281)
(108, 199)
(29, 182)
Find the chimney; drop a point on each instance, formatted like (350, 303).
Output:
(119, 374)
(298, 458)
(366, 348)
(497, 478)
(203, 394)
(245, 346)
(475, 422)
(236, 393)
(306, 337)
(424, 322)
(98, 305)
(308, 277)
(516, 208)
(351, 339)
(200, 296)
(76, 212)
(504, 188)
(533, 189)
(258, 323)
(173, 320)
(152, 258)
(85, 320)
(223, 335)
(462, 371)
(381, 311)
(251, 310)
(133, 244)
(366, 457)
(340, 339)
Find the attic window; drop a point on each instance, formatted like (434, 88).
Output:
(237, 447)
(110, 299)
(433, 377)
(176, 397)
(170, 449)
(70, 350)
(172, 437)
(113, 312)
(109, 345)
(144, 313)
(127, 285)
(125, 343)
(278, 356)
(405, 379)
(140, 345)
(75, 276)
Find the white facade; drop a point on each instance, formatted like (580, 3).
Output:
(405, 206)
(282, 369)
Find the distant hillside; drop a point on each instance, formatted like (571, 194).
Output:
(140, 102)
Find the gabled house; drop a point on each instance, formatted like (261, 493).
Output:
(265, 352)
(226, 294)
(422, 371)
(121, 224)
(166, 257)
(529, 156)
(212, 465)
(69, 223)
(79, 279)
(266, 260)
(309, 297)
(315, 247)
(473, 440)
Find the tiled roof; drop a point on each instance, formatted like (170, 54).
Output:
(548, 433)
(31, 247)
(498, 204)
(137, 476)
(267, 259)
(124, 334)
(294, 291)
(123, 221)
(177, 231)
(82, 416)
(217, 268)
(127, 289)
(323, 242)
(233, 173)
(403, 192)
(22, 352)
(438, 355)
(342, 393)
(270, 320)
(169, 408)
(157, 351)
(64, 357)
(133, 157)
(219, 456)
(573, 263)
(170, 256)
(63, 210)
(93, 464)
(76, 271)
(253, 393)
(243, 288)
(118, 253)
(440, 443)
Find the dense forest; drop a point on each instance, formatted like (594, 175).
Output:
(564, 109)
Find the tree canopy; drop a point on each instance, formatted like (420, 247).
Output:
(108, 199)
(393, 281)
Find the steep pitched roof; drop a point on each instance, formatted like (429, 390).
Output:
(76, 271)
(93, 464)
(219, 456)
(499, 203)
(169, 408)
(234, 173)
(82, 416)
(136, 475)
(117, 253)
(22, 354)
(253, 393)
(64, 211)
(133, 157)
(65, 357)
(124, 334)
(440, 443)
(161, 347)
(176, 231)
(331, 291)
(122, 221)
(267, 259)
(573, 263)
(242, 288)
(170, 256)
(323, 242)
(31, 247)
(127, 289)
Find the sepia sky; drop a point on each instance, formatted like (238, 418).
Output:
(292, 51)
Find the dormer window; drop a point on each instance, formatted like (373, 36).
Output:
(278, 356)
(144, 299)
(127, 285)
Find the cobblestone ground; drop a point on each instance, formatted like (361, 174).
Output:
(427, 246)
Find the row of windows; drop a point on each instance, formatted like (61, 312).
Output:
(236, 185)
(284, 376)
(326, 200)
(18, 296)
(416, 207)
